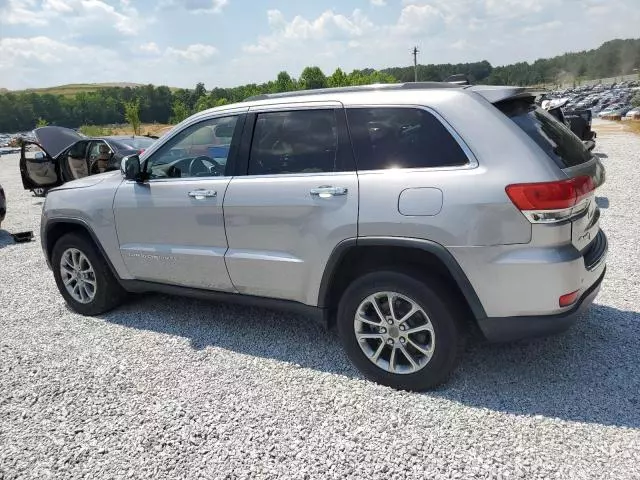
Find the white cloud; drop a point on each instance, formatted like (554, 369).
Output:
(149, 48)
(378, 3)
(419, 19)
(41, 60)
(327, 26)
(196, 6)
(334, 27)
(543, 26)
(17, 12)
(73, 17)
(196, 53)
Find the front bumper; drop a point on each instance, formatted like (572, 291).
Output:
(506, 329)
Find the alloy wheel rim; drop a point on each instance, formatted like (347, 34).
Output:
(78, 275)
(394, 332)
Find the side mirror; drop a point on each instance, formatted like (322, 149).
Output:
(130, 167)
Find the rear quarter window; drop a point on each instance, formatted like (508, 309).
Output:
(552, 136)
(390, 137)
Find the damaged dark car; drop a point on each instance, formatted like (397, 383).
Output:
(67, 155)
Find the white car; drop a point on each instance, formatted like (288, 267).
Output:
(635, 113)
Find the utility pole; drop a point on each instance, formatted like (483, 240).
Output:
(415, 63)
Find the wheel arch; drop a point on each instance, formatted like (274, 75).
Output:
(354, 257)
(57, 228)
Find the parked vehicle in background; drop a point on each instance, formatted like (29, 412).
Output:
(402, 214)
(578, 121)
(67, 155)
(633, 113)
(3, 205)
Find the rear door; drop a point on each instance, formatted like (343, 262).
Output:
(294, 200)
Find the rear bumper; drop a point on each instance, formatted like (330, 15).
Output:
(506, 329)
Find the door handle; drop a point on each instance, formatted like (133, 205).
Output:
(201, 194)
(327, 192)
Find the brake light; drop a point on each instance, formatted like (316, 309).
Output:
(569, 299)
(558, 195)
(141, 150)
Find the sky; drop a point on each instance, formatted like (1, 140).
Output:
(232, 42)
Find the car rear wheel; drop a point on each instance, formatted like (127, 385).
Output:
(400, 330)
(83, 277)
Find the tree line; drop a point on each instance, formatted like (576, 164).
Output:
(21, 111)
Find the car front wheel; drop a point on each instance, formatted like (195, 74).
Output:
(83, 276)
(400, 330)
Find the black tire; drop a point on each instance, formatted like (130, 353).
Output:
(437, 302)
(108, 295)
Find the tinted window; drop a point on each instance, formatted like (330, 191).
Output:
(554, 137)
(303, 141)
(200, 150)
(401, 138)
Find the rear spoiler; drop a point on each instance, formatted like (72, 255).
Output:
(496, 94)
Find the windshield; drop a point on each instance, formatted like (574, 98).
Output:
(134, 143)
(554, 137)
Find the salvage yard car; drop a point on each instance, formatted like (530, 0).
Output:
(390, 212)
(66, 155)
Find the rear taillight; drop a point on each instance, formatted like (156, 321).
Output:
(551, 201)
(141, 150)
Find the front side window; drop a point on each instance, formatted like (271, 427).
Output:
(200, 150)
(385, 138)
(304, 141)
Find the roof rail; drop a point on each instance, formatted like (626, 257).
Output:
(359, 88)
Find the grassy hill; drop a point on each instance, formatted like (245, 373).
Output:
(75, 88)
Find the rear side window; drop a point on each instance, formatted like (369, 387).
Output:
(555, 138)
(401, 138)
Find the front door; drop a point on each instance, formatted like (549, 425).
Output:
(171, 227)
(38, 169)
(296, 200)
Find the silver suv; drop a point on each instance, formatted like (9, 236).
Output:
(405, 215)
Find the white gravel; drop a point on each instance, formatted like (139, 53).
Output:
(175, 388)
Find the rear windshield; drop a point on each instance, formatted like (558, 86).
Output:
(555, 138)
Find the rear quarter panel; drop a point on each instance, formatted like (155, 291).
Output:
(475, 208)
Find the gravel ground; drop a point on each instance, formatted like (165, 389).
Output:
(175, 388)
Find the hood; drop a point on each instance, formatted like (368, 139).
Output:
(55, 139)
(90, 181)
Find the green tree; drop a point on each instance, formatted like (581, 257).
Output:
(180, 111)
(313, 78)
(132, 115)
(41, 122)
(338, 79)
(284, 83)
(635, 101)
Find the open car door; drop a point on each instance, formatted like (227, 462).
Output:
(43, 171)
(40, 172)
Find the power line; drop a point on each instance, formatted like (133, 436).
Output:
(416, 51)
